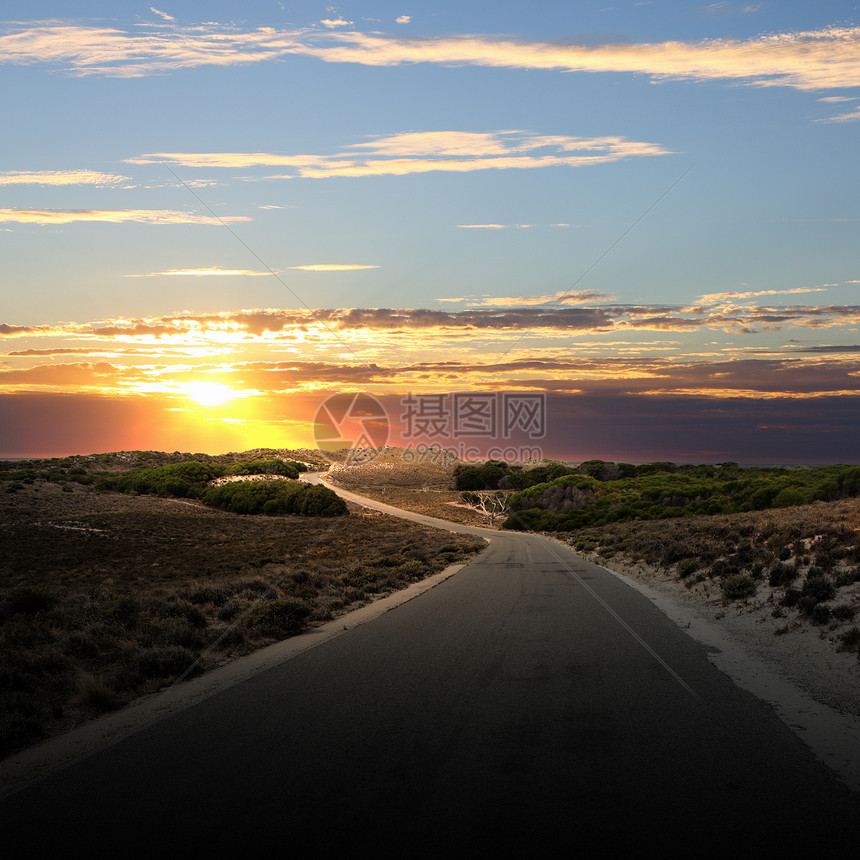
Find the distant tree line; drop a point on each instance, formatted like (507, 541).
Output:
(556, 497)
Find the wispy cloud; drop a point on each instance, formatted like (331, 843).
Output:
(61, 177)
(161, 14)
(332, 23)
(484, 226)
(724, 9)
(575, 297)
(421, 152)
(848, 116)
(505, 226)
(212, 271)
(808, 60)
(816, 59)
(111, 216)
(333, 267)
(718, 298)
(403, 19)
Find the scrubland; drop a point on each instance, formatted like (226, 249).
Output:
(107, 596)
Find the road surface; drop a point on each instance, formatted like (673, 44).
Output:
(531, 702)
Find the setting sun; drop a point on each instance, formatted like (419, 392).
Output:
(208, 393)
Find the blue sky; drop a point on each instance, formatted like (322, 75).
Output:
(628, 201)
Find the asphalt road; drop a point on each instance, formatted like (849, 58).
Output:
(531, 702)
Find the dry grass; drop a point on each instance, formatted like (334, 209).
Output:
(105, 597)
(417, 481)
(800, 566)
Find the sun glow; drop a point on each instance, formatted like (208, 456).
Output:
(208, 393)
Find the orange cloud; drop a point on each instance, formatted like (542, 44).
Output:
(716, 298)
(573, 297)
(810, 60)
(264, 323)
(807, 60)
(422, 152)
(111, 216)
(61, 177)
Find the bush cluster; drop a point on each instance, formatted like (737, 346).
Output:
(275, 497)
(598, 493)
(289, 469)
(178, 480)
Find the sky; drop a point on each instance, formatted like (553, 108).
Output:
(642, 216)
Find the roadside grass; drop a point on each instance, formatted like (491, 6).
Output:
(105, 597)
(804, 561)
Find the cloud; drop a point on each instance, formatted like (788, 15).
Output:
(207, 272)
(78, 376)
(112, 216)
(421, 152)
(60, 177)
(24, 330)
(577, 297)
(505, 226)
(332, 23)
(806, 60)
(159, 351)
(786, 376)
(403, 19)
(372, 331)
(333, 267)
(161, 14)
(849, 116)
(484, 226)
(717, 298)
(724, 9)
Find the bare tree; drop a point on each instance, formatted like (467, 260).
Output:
(491, 504)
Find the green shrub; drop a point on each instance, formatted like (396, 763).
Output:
(687, 566)
(844, 611)
(850, 640)
(358, 577)
(178, 631)
(792, 596)
(782, 574)
(846, 577)
(820, 613)
(818, 587)
(165, 661)
(280, 616)
(179, 480)
(92, 691)
(275, 497)
(736, 586)
(26, 600)
(264, 467)
(123, 608)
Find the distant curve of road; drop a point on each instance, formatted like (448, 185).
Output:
(530, 702)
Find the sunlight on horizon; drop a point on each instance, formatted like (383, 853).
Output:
(208, 393)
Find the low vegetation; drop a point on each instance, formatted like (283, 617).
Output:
(802, 562)
(106, 595)
(597, 493)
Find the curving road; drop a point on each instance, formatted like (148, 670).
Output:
(532, 701)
